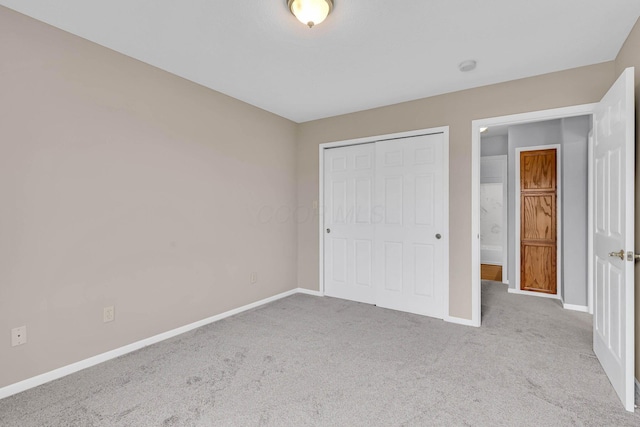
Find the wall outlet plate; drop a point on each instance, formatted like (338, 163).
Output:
(109, 314)
(18, 336)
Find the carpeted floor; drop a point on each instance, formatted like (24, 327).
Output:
(308, 360)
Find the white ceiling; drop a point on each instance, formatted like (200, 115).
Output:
(368, 53)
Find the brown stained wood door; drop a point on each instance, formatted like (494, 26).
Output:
(538, 220)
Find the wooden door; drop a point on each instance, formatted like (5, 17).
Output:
(538, 221)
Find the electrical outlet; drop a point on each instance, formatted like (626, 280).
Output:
(108, 314)
(253, 278)
(18, 336)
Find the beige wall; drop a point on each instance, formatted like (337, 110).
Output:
(456, 110)
(629, 56)
(122, 184)
(125, 185)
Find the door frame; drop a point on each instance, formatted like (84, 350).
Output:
(518, 221)
(445, 178)
(513, 119)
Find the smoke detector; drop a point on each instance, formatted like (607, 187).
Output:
(467, 66)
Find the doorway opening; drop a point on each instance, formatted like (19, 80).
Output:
(531, 131)
(610, 235)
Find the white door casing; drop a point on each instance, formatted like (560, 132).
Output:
(613, 315)
(349, 232)
(380, 220)
(409, 225)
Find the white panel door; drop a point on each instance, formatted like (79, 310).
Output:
(409, 216)
(348, 243)
(613, 313)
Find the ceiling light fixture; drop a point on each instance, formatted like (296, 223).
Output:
(310, 12)
(467, 66)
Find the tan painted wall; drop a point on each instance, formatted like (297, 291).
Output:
(457, 110)
(629, 56)
(114, 179)
(123, 184)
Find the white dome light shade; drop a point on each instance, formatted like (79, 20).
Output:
(310, 12)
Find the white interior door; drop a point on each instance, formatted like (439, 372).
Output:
(613, 314)
(349, 232)
(385, 223)
(409, 216)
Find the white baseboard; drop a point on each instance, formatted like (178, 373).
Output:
(460, 321)
(533, 294)
(310, 292)
(92, 361)
(582, 308)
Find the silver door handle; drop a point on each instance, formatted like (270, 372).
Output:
(438, 236)
(617, 254)
(328, 230)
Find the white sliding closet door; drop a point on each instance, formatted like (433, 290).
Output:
(409, 226)
(348, 244)
(385, 240)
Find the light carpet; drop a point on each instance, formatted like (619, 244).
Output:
(307, 360)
